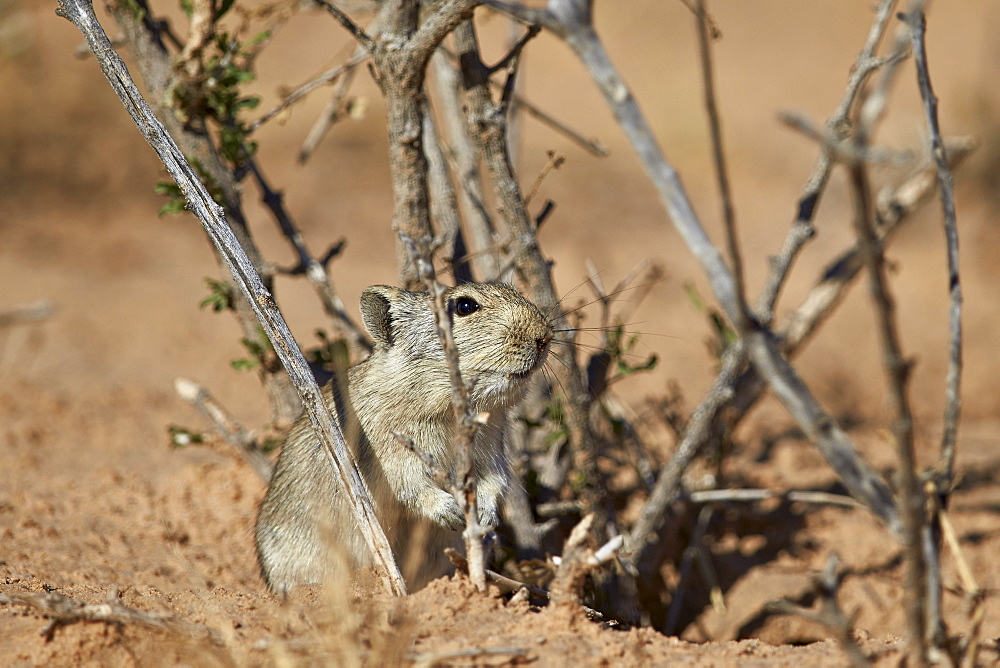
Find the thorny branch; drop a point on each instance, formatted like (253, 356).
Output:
(81, 14)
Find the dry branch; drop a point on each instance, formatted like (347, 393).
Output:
(571, 20)
(142, 33)
(225, 424)
(917, 23)
(211, 215)
(486, 124)
(63, 611)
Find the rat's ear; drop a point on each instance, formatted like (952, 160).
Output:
(375, 311)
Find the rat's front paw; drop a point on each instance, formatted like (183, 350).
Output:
(447, 513)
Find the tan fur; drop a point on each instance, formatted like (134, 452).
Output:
(402, 388)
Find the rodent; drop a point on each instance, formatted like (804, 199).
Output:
(402, 388)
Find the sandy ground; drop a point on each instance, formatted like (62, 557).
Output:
(93, 500)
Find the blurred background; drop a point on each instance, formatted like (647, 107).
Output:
(79, 224)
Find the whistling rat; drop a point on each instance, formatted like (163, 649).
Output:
(402, 388)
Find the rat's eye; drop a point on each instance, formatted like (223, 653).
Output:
(465, 306)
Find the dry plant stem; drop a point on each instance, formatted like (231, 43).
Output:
(668, 484)
(225, 424)
(314, 269)
(323, 79)
(753, 495)
(743, 390)
(466, 423)
(156, 67)
(211, 215)
(486, 124)
(63, 611)
(897, 372)
(895, 208)
(917, 23)
(401, 53)
(336, 107)
(802, 228)
(719, 158)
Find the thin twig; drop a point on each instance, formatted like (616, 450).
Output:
(897, 371)
(752, 495)
(357, 31)
(953, 381)
(802, 227)
(212, 217)
(225, 424)
(291, 98)
(719, 158)
(314, 270)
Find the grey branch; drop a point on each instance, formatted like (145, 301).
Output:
(570, 19)
(211, 215)
(953, 381)
(63, 610)
(225, 424)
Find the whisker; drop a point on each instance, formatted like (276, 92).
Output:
(608, 296)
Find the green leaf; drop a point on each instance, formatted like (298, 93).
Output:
(244, 364)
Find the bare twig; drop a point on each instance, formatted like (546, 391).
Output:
(844, 149)
(444, 204)
(719, 158)
(917, 23)
(81, 14)
(337, 106)
(63, 611)
(357, 31)
(555, 162)
(314, 270)
(578, 560)
(488, 128)
(802, 227)
(465, 167)
(752, 495)
(897, 371)
(225, 424)
(291, 98)
(570, 19)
